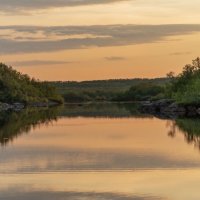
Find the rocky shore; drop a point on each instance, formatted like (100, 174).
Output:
(14, 106)
(20, 106)
(169, 108)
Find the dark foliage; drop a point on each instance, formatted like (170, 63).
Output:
(109, 90)
(141, 92)
(17, 87)
(185, 88)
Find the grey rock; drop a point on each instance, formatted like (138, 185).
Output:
(163, 102)
(191, 111)
(198, 111)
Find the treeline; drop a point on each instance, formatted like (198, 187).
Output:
(111, 90)
(18, 87)
(185, 88)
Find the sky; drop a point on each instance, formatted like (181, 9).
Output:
(99, 39)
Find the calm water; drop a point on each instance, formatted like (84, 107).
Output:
(98, 152)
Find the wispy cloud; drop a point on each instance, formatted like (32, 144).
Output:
(38, 62)
(114, 58)
(19, 195)
(180, 53)
(46, 39)
(28, 5)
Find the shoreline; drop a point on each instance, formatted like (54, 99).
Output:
(169, 108)
(20, 106)
(165, 108)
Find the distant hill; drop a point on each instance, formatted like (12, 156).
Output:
(18, 87)
(106, 85)
(101, 90)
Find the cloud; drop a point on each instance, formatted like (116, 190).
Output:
(35, 39)
(38, 62)
(114, 58)
(52, 195)
(28, 5)
(180, 53)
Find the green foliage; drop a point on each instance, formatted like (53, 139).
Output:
(141, 92)
(103, 90)
(73, 97)
(17, 87)
(185, 88)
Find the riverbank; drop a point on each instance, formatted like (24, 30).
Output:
(20, 106)
(165, 108)
(170, 108)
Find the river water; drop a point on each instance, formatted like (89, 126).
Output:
(98, 152)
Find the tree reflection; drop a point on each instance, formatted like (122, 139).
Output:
(14, 124)
(190, 127)
(105, 110)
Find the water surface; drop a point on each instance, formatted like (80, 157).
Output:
(98, 152)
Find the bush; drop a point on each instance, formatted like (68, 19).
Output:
(141, 92)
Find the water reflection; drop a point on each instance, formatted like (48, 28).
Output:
(97, 152)
(105, 110)
(190, 127)
(14, 124)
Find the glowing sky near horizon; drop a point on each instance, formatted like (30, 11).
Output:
(99, 39)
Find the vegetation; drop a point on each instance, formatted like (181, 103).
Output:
(185, 88)
(17, 87)
(110, 90)
(142, 92)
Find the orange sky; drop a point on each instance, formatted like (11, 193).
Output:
(83, 42)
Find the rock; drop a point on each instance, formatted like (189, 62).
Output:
(147, 107)
(175, 108)
(198, 111)
(165, 107)
(18, 106)
(15, 106)
(5, 106)
(156, 106)
(39, 104)
(163, 102)
(191, 111)
(53, 103)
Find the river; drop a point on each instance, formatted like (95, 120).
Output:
(98, 152)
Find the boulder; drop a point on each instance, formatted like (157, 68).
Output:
(163, 102)
(198, 111)
(191, 111)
